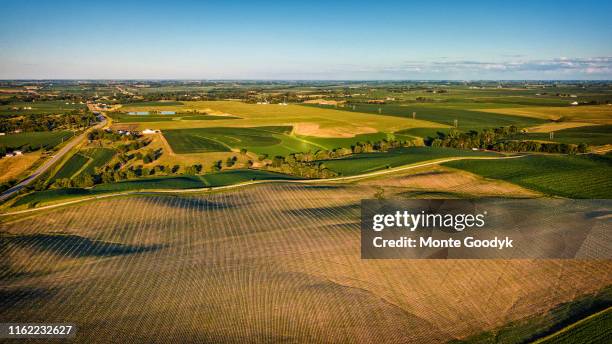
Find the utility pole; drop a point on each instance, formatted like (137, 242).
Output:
(414, 115)
(379, 110)
(456, 123)
(552, 135)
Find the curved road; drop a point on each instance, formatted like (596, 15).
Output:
(233, 186)
(47, 164)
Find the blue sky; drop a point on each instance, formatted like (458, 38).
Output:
(306, 40)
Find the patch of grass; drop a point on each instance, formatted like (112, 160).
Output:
(370, 162)
(566, 176)
(45, 139)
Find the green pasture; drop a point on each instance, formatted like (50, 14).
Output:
(591, 135)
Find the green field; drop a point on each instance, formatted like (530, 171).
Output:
(166, 182)
(46, 139)
(50, 195)
(272, 140)
(595, 329)
(566, 176)
(191, 182)
(84, 162)
(98, 158)
(261, 140)
(439, 113)
(369, 162)
(40, 107)
(586, 319)
(591, 135)
(71, 167)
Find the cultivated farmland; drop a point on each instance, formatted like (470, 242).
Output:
(591, 135)
(280, 258)
(84, 161)
(466, 119)
(46, 139)
(309, 121)
(566, 176)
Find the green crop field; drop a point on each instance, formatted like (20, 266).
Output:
(586, 319)
(591, 135)
(181, 182)
(40, 107)
(50, 195)
(98, 158)
(46, 139)
(369, 162)
(192, 182)
(466, 119)
(84, 162)
(71, 167)
(596, 329)
(566, 176)
(262, 140)
(330, 122)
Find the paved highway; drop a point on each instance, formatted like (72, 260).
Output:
(47, 164)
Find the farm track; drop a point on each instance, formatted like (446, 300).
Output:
(234, 186)
(264, 264)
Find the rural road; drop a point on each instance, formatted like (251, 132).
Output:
(234, 186)
(47, 164)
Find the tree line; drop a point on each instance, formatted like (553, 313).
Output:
(500, 139)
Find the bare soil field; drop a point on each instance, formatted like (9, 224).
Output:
(267, 263)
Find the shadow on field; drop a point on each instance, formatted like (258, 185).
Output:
(325, 212)
(190, 203)
(12, 297)
(72, 246)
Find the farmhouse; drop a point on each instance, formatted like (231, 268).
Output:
(574, 103)
(150, 131)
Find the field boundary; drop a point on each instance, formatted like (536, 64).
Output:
(239, 185)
